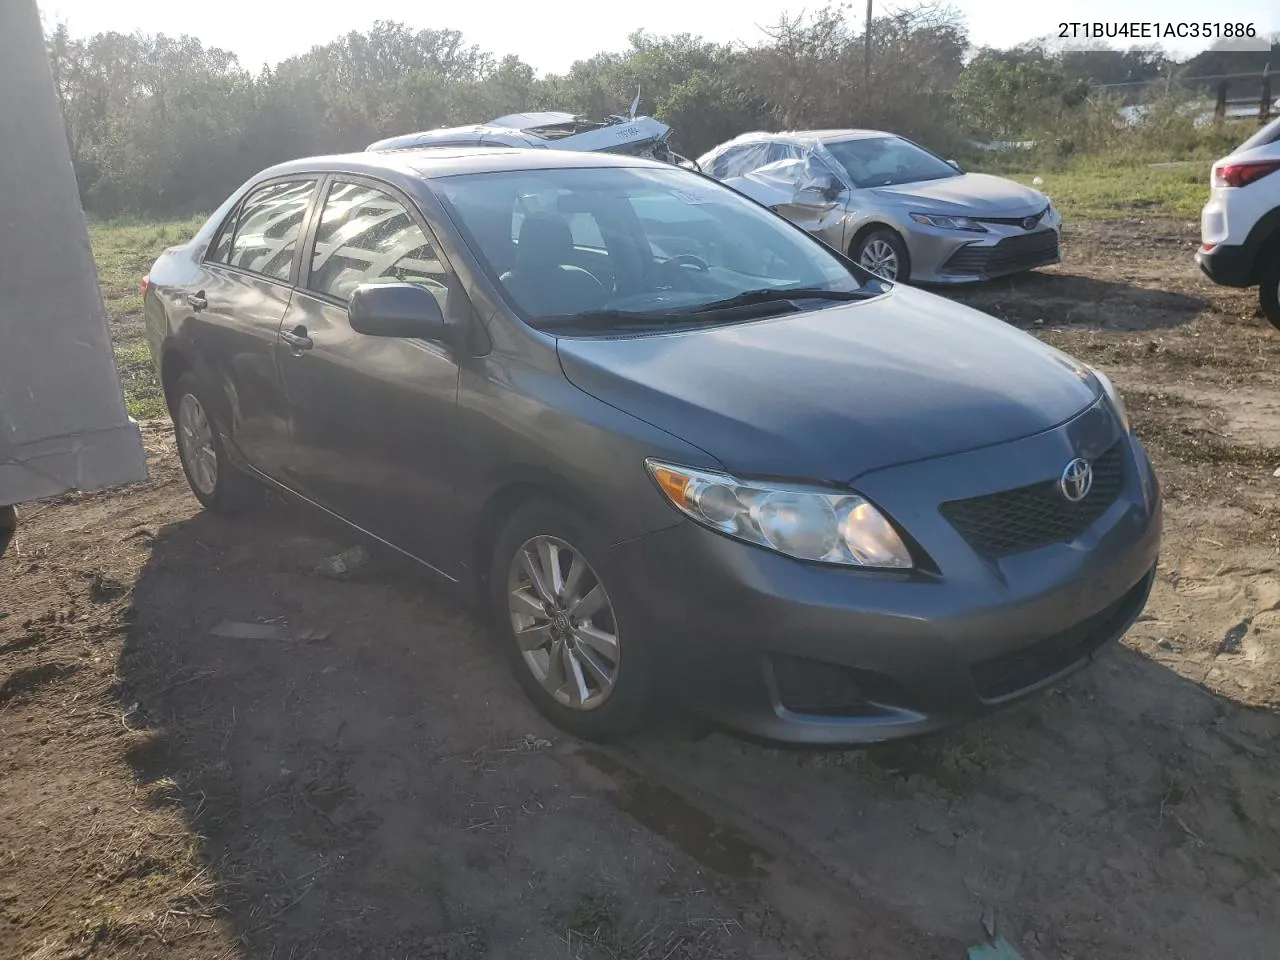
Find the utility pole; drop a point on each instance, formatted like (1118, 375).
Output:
(866, 55)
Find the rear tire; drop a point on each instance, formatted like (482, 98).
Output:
(8, 526)
(886, 248)
(572, 634)
(219, 485)
(1269, 292)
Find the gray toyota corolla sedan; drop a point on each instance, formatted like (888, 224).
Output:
(673, 444)
(894, 207)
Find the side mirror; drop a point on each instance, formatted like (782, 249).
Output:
(955, 164)
(828, 188)
(398, 310)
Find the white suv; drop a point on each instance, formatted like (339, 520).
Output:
(1240, 225)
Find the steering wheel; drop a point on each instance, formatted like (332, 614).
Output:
(683, 260)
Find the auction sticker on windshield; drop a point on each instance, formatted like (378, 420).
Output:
(690, 196)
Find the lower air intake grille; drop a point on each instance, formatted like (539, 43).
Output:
(830, 690)
(1010, 255)
(1010, 673)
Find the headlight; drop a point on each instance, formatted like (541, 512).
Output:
(801, 522)
(1113, 395)
(949, 223)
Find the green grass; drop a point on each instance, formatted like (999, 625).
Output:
(142, 394)
(124, 251)
(1100, 191)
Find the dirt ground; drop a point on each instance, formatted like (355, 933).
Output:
(386, 792)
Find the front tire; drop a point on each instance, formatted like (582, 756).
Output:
(884, 253)
(572, 634)
(219, 485)
(1269, 293)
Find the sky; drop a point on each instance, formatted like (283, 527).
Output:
(551, 36)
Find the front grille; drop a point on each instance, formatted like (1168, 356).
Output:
(1015, 221)
(1000, 524)
(1010, 255)
(831, 690)
(1010, 673)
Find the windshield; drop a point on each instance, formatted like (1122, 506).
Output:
(600, 245)
(886, 161)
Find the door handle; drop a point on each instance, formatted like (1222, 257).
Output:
(297, 340)
(197, 301)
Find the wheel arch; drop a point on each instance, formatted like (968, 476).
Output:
(173, 364)
(1266, 244)
(514, 492)
(873, 226)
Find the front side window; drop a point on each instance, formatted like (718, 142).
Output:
(368, 236)
(676, 242)
(782, 151)
(739, 161)
(886, 161)
(268, 228)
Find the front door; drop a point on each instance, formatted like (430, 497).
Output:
(373, 418)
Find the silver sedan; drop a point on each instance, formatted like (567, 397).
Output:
(897, 209)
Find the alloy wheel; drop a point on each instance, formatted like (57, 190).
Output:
(195, 439)
(564, 623)
(879, 257)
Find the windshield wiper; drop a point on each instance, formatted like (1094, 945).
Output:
(609, 319)
(622, 319)
(775, 294)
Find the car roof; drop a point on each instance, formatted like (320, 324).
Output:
(450, 136)
(427, 163)
(824, 136)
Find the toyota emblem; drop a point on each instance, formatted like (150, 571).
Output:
(1076, 480)
(1029, 222)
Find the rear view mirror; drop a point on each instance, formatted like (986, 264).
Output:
(397, 310)
(955, 164)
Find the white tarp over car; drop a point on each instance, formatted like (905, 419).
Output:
(63, 424)
(552, 130)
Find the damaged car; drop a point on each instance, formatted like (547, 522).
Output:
(892, 206)
(630, 135)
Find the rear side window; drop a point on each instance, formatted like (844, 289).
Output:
(267, 231)
(368, 236)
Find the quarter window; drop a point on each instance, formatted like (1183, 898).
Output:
(221, 247)
(367, 236)
(266, 234)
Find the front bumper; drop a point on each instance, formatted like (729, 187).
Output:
(1229, 265)
(950, 256)
(803, 653)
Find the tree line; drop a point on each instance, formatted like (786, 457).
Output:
(160, 125)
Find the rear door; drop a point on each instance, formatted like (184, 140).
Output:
(373, 417)
(234, 311)
(809, 207)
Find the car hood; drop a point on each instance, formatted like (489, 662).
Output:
(833, 393)
(970, 195)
